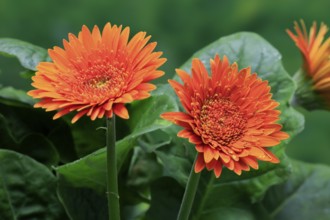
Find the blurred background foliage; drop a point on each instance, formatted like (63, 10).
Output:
(180, 27)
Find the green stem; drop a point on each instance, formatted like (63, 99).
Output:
(112, 181)
(189, 194)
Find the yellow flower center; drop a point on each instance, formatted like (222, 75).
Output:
(221, 122)
(99, 83)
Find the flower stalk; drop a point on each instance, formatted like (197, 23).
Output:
(189, 194)
(112, 180)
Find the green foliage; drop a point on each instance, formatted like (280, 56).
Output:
(34, 133)
(28, 55)
(305, 195)
(27, 189)
(168, 193)
(153, 163)
(89, 172)
(12, 96)
(305, 95)
(35, 145)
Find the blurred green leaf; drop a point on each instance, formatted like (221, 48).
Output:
(83, 128)
(37, 121)
(28, 54)
(231, 192)
(305, 195)
(34, 145)
(53, 138)
(166, 196)
(143, 169)
(146, 114)
(12, 96)
(27, 189)
(62, 139)
(27, 74)
(176, 157)
(90, 172)
(82, 203)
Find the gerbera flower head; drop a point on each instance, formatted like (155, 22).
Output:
(229, 116)
(97, 73)
(314, 77)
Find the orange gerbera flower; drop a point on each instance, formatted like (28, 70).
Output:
(96, 74)
(316, 54)
(230, 116)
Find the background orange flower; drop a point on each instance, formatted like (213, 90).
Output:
(97, 73)
(230, 116)
(316, 53)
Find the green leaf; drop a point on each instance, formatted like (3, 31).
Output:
(22, 121)
(62, 139)
(306, 96)
(27, 189)
(92, 168)
(82, 203)
(28, 54)
(83, 128)
(34, 145)
(305, 195)
(15, 97)
(231, 192)
(176, 156)
(166, 194)
(143, 169)
(146, 114)
(89, 172)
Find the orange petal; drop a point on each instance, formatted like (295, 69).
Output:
(146, 87)
(251, 162)
(199, 165)
(268, 141)
(185, 133)
(173, 116)
(224, 157)
(280, 135)
(199, 148)
(259, 153)
(274, 159)
(208, 154)
(121, 111)
(194, 139)
(237, 168)
(210, 165)
(79, 115)
(217, 169)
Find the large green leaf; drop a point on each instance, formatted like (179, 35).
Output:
(305, 195)
(168, 193)
(82, 203)
(54, 137)
(89, 172)
(35, 145)
(28, 54)
(239, 194)
(176, 156)
(86, 128)
(27, 189)
(11, 96)
(91, 169)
